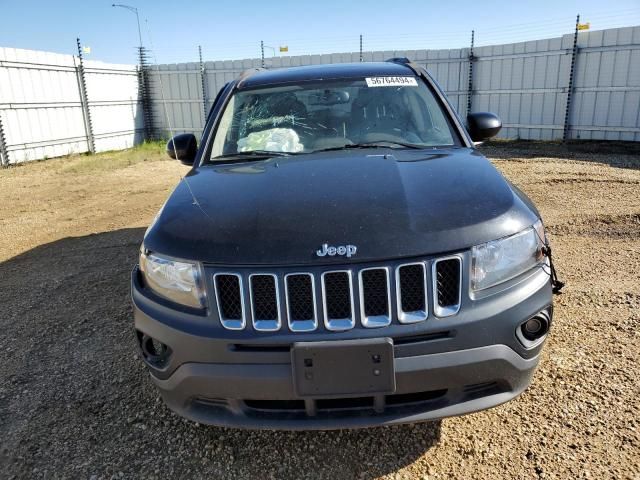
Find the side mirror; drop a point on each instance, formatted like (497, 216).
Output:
(483, 125)
(183, 147)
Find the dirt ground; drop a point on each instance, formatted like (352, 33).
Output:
(76, 402)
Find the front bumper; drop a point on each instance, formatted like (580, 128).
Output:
(448, 384)
(443, 367)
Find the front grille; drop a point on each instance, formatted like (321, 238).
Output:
(411, 287)
(446, 279)
(228, 288)
(484, 389)
(337, 295)
(341, 405)
(305, 297)
(375, 304)
(301, 302)
(265, 306)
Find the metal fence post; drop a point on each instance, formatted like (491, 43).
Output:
(470, 86)
(262, 51)
(574, 54)
(360, 47)
(4, 154)
(144, 92)
(84, 100)
(203, 81)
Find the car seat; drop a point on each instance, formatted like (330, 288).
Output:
(380, 112)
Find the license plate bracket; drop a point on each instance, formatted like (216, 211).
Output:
(343, 368)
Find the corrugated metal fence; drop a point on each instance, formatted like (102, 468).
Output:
(43, 111)
(526, 84)
(181, 105)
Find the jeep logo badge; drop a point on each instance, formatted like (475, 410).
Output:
(342, 250)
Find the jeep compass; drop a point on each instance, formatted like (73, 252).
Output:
(340, 255)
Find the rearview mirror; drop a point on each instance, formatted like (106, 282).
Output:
(330, 97)
(483, 125)
(183, 147)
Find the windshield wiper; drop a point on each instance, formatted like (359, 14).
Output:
(253, 155)
(380, 143)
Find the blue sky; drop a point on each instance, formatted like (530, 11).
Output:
(228, 30)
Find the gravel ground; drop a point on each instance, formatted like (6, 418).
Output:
(75, 401)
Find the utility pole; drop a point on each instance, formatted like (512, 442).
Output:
(262, 52)
(84, 100)
(144, 86)
(574, 54)
(4, 154)
(360, 47)
(144, 93)
(470, 87)
(203, 80)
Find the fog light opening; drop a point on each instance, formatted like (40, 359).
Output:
(533, 328)
(155, 352)
(159, 348)
(531, 332)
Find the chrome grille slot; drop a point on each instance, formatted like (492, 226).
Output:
(446, 277)
(411, 288)
(265, 302)
(301, 302)
(337, 298)
(228, 287)
(375, 301)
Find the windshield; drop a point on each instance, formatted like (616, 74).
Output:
(399, 112)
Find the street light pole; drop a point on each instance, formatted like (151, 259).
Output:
(143, 79)
(134, 10)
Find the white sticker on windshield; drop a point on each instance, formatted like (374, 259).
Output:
(391, 82)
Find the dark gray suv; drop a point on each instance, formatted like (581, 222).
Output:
(339, 256)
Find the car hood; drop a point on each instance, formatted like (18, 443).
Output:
(388, 203)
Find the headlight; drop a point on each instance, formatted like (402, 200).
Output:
(500, 260)
(180, 282)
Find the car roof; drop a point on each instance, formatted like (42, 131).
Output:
(321, 72)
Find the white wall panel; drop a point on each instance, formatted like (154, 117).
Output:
(607, 86)
(40, 104)
(115, 106)
(41, 109)
(525, 83)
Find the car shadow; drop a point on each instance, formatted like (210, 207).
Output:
(76, 400)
